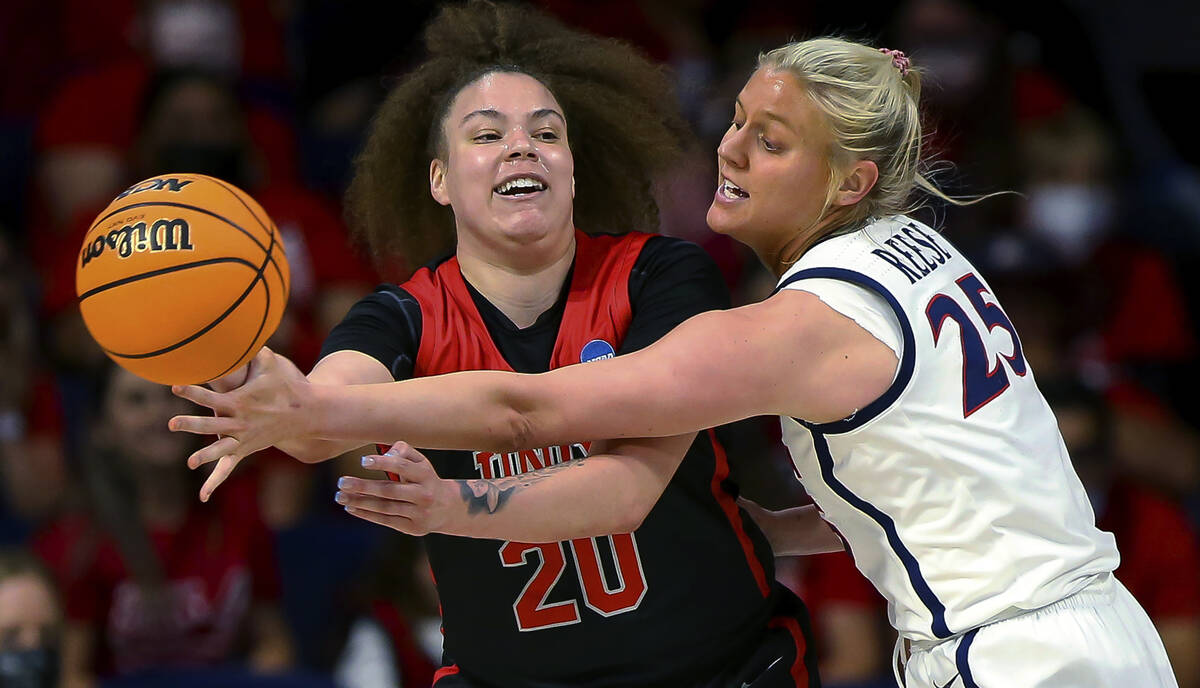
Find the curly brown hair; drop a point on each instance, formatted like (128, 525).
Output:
(620, 107)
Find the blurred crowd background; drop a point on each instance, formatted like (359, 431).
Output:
(111, 565)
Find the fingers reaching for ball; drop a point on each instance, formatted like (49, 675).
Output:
(231, 381)
(225, 446)
(268, 409)
(201, 397)
(222, 471)
(206, 238)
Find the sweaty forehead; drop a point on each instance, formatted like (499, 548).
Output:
(509, 94)
(779, 95)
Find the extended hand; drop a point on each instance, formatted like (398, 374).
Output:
(417, 502)
(268, 408)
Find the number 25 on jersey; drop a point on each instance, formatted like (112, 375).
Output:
(984, 376)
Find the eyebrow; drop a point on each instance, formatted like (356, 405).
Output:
(768, 114)
(495, 114)
(490, 114)
(546, 112)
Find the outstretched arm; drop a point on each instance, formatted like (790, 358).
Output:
(699, 375)
(790, 354)
(608, 492)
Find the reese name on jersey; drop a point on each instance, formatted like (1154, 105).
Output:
(914, 252)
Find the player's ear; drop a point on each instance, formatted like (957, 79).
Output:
(858, 182)
(437, 181)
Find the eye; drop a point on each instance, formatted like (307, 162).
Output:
(547, 135)
(737, 125)
(486, 137)
(767, 145)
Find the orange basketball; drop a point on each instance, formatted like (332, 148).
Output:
(182, 278)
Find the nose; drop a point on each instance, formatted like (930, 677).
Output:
(521, 145)
(731, 151)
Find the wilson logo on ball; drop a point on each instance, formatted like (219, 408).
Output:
(163, 235)
(191, 279)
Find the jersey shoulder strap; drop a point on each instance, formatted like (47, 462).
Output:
(598, 311)
(596, 317)
(453, 334)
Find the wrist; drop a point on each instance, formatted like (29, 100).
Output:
(767, 522)
(316, 407)
(450, 496)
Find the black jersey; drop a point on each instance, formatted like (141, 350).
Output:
(673, 603)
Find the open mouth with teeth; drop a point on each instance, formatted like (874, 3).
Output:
(519, 187)
(731, 191)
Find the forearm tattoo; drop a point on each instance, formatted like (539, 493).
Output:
(491, 495)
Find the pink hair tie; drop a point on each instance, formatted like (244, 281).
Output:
(899, 60)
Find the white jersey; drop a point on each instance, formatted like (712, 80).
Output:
(953, 490)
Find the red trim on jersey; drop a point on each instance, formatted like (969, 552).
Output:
(598, 302)
(730, 507)
(455, 338)
(799, 670)
(444, 672)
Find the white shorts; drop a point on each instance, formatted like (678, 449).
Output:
(1097, 638)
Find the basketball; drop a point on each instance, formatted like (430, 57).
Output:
(182, 278)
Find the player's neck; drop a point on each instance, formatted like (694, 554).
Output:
(780, 258)
(521, 294)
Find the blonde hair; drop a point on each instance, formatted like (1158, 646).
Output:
(870, 102)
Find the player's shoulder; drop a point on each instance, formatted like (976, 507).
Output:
(389, 297)
(390, 306)
(385, 325)
(662, 256)
(663, 245)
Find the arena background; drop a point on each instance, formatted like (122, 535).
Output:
(1078, 106)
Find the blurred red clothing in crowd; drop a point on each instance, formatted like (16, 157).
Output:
(216, 566)
(1160, 555)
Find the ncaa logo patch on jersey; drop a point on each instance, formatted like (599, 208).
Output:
(596, 350)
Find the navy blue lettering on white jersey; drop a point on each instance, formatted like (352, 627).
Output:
(913, 251)
(953, 489)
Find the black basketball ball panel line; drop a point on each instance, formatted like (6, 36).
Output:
(162, 271)
(258, 275)
(237, 197)
(261, 325)
(271, 231)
